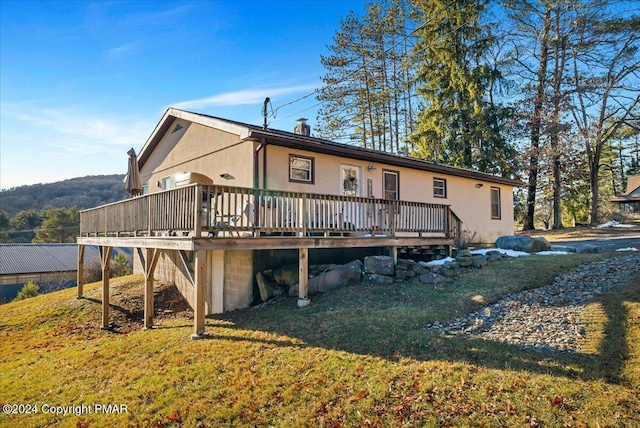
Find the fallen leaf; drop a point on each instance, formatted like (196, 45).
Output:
(174, 417)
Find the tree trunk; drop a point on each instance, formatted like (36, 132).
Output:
(536, 121)
(595, 195)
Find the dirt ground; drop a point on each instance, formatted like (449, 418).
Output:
(126, 305)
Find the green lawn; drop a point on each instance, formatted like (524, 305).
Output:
(358, 356)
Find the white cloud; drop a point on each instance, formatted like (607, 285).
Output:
(245, 97)
(61, 143)
(121, 51)
(99, 131)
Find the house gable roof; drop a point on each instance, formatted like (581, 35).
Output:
(313, 144)
(633, 190)
(633, 185)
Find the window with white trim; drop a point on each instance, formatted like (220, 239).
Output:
(439, 188)
(301, 169)
(391, 183)
(165, 183)
(495, 203)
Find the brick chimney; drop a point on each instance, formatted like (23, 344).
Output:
(302, 128)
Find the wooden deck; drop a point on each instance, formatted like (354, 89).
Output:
(235, 212)
(199, 218)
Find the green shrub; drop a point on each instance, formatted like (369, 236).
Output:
(30, 289)
(121, 265)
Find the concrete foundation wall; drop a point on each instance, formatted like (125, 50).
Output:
(238, 279)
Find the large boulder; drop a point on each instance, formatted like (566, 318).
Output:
(377, 279)
(287, 275)
(340, 276)
(266, 286)
(432, 279)
(523, 243)
(587, 249)
(356, 264)
(379, 265)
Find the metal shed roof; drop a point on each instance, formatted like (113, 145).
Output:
(38, 258)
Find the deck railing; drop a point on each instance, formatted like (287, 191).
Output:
(216, 210)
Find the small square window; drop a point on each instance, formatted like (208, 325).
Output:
(301, 169)
(495, 203)
(439, 188)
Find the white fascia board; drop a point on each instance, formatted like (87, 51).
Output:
(223, 125)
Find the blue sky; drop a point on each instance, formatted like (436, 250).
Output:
(83, 82)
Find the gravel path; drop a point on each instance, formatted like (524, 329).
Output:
(546, 318)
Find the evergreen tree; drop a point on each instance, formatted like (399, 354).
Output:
(460, 124)
(61, 225)
(368, 99)
(4, 226)
(30, 289)
(24, 225)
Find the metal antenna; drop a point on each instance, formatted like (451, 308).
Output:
(264, 112)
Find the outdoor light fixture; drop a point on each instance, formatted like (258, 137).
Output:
(227, 176)
(479, 185)
(371, 167)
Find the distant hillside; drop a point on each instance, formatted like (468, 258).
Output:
(84, 192)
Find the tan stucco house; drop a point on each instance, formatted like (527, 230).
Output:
(221, 199)
(243, 155)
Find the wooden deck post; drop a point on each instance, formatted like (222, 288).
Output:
(105, 259)
(303, 277)
(394, 254)
(200, 261)
(80, 277)
(150, 263)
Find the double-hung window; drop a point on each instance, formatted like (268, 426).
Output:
(301, 169)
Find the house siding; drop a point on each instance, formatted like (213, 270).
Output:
(201, 149)
(470, 203)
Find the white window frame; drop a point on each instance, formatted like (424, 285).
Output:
(309, 170)
(396, 174)
(165, 183)
(442, 187)
(497, 204)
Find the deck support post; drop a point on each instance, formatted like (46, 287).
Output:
(303, 278)
(150, 263)
(394, 254)
(200, 261)
(105, 259)
(80, 277)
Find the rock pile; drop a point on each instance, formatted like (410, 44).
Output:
(546, 318)
(376, 271)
